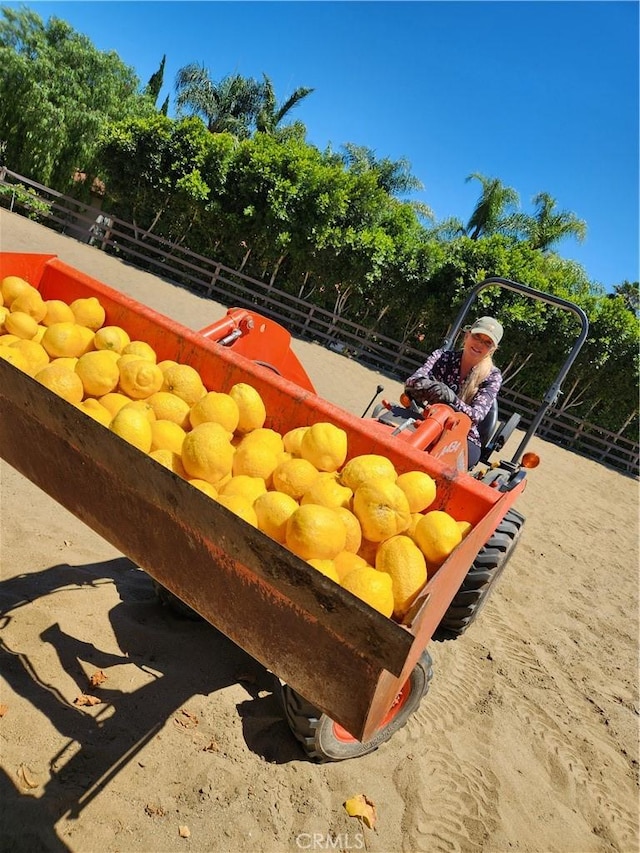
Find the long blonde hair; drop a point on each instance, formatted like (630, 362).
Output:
(476, 377)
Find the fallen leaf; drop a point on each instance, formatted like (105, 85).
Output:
(362, 807)
(184, 831)
(187, 720)
(24, 774)
(97, 678)
(3, 710)
(85, 699)
(154, 811)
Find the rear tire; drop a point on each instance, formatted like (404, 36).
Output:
(324, 740)
(481, 578)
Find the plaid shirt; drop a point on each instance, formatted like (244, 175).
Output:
(444, 366)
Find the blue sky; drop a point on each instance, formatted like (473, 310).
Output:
(542, 95)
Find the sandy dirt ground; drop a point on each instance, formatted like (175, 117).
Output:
(527, 741)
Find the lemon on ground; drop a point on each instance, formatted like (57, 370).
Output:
(96, 410)
(62, 381)
(57, 312)
(11, 287)
(292, 440)
(141, 406)
(419, 488)
(167, 435)
(140, 348)
(168, 407)
(111, 338)
(465, 528)
(21, 325)
(185, 382)
(345, 561)
(437, 534)
(371, 586)
(315, 531)
(35, 354)
(252, 411)
(365, 467)
(255, 460)
(401, 558)
(382, 509)
(294, 477)
(169, 459)
(325, 446)
(207, 453)
(205, 487)
(14, 357)
(354, 531)
(325, 567)
(113, 402)
(30, 302)
(217, 407)
(248, 487)
(240, 506)
(327, 491)
(273, 511)
(133, 426)
(99, 372)
(88, 312)
(62, 340)
(140, 378)
(7, 340)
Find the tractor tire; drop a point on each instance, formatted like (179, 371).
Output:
(174, 604)
(481, 578)
(323, 740)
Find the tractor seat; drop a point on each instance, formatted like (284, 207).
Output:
(487, 426)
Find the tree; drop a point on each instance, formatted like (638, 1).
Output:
(270, 114)
(548, 226)
(229, 106)
(493, 208)
(156, 80)
(630, 293)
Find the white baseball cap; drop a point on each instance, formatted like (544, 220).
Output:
(488, 326)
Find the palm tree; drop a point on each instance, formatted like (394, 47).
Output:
(394, 176)
(493, 210)
(229, 106)
(269, 114)
(548, 226)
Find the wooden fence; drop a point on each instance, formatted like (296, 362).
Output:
(199, 274)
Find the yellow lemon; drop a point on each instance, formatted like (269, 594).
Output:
(169, 459)
(345, 561)
(4, 313)
(411, 529)
(315, 531)
(87, 335)
(39, 334)
(7, 340)
(248, 487)
(64, 340)
(382, 509)
(255, 460)
(273, 511)
(96, 410)
(99, 372)
(140, 348)
(113, 402)
(141, 406)
(354, 531)
(139, 379)
(185, 382)
(325, 567)
(325, 446)
(240, 506)
(133, 426)
(111, 338)
(57, 311)
(268, 438)
(371, 586)
(167, 435)
(88, 312)
(168, 407)
(419, 488)
(465, 528)
(34, 353)
(30, 302)
(166, 364)
(207, 453)
(217, 407)
(401, 558)
(252, 411)
(437, 534)
(11, 287)
(327, 491)
(14, 357)
(205, 487)
(365, 467)
(293, 439)
(21, 325)
(62, 381)
(294, 477)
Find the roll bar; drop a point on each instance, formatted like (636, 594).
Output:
(554, 390)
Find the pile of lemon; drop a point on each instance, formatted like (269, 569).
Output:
(358, 522)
